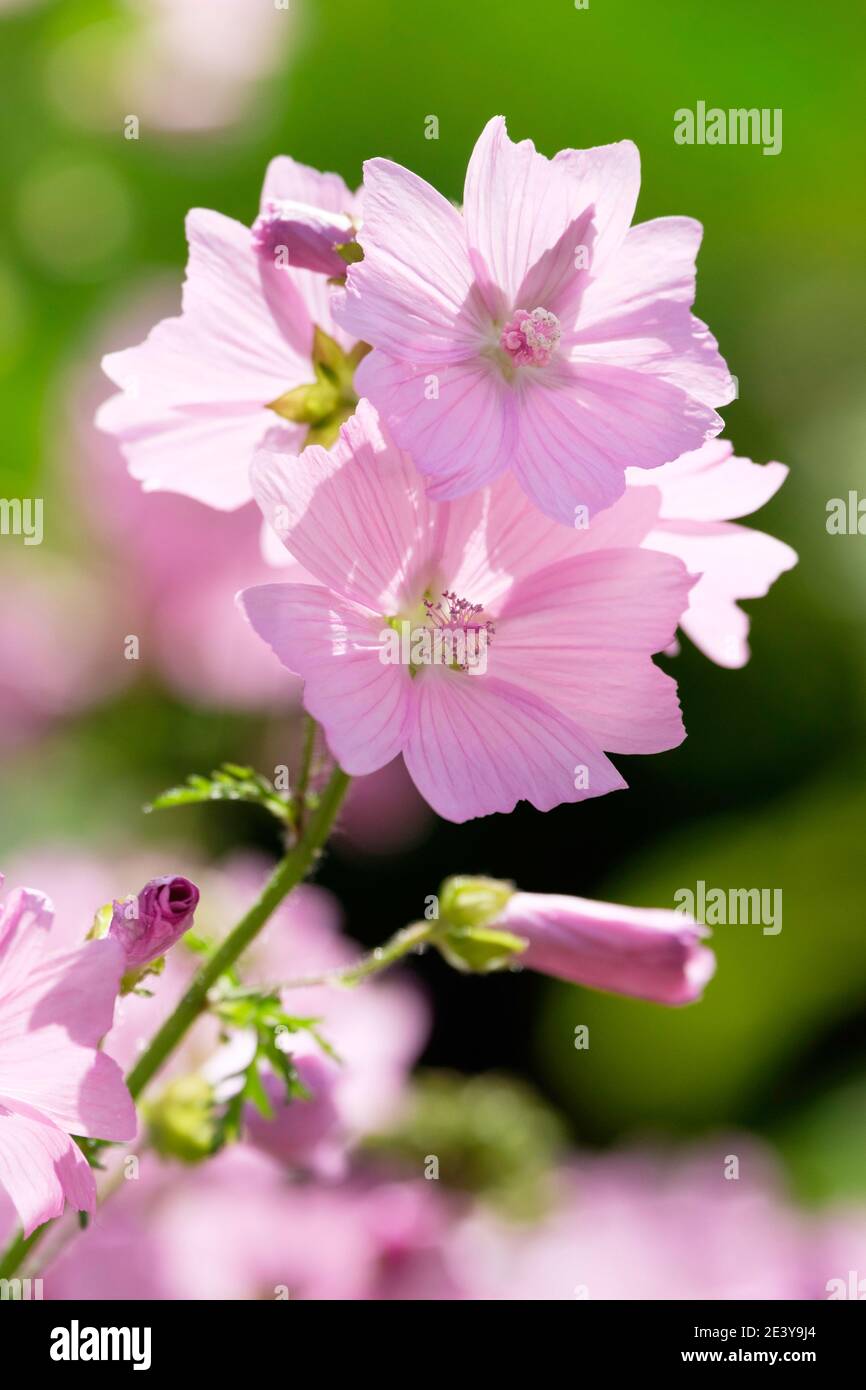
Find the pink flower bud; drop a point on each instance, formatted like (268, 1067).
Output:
(305, 236)
(147, 926)
(647, 953)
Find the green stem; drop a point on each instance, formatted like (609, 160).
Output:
(288, 874)
(401, 944)
(290, 871)
(300, 798)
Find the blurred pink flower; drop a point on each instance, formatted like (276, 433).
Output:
(194, 397)
(700, 493)
(646, 953)
(536, 332)
(56, 1004)
(236, 1229)
(58, 647)
(641, 1225)
(567, 623)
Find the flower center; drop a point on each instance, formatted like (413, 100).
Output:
(531, 339)
(448, 631)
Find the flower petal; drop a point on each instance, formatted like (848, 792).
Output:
(712, 484)
(456, 420)
(355, 516)
(362, 702)
(587, 627)
(477, 745)
(734, 562)
(519, 207)
(41, 1168)
(413, 295)
(582, 425)
(638, 314)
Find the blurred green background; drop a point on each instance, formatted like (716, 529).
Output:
(768, 789)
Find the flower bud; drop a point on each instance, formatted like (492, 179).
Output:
(148, 925)
(644, 953)
(307, 236)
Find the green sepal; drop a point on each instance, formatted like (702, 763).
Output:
(480, 950)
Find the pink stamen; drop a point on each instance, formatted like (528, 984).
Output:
(457, 613)
(531, 339)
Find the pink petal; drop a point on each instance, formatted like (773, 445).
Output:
(638, 314)
(519, 206)
(413, 293)
(587, 628)
(41, 1168)
(478, 745)
(202, 452)
(355, 516)
(645, 953)
(76, 1088)
(195, 391)
(734, 563)
(286, 178)
(580, 427)
(73, 989)
(608, 178)
(361, 702)
(462, 438)
(712, 484)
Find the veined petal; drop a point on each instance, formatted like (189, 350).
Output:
(457, 421)
(361, 701)
(608, 177)
(80, 1090)
(519, 207)
(41, 1168)
(413, 295)
(356, 516)
(587, 628)
(638, 314)
(478, 745)
(581, 426)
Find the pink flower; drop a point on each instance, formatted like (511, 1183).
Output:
(645, 953)
(202, 391)
(698, 495)
(149, 925)
(56, 1003)
(537, 331)
(306, 1134)
(566, 631)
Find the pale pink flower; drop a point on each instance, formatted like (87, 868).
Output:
(537, 331)
(195, 394)
(56, 1004)
(698, 496)
(569, 630)
(646, 953)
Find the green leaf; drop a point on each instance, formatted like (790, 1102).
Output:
(231, 782)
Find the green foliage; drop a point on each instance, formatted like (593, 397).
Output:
(231, 782)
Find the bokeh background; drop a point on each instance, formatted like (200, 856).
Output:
(768, 789)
